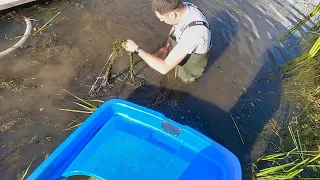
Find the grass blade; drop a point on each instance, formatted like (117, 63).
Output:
(236, 128)
(299, 141)
(27, 170)
(76, 111)
(315, 48)
(39, 30)
(315, 158)
(313, 166)
(294, 173)
(85, 107)
(293, 137)
(96, 100)
(85, 102)
(274, 156)
(272, 170)
(315, 11)
(72, 127)
(297, 165)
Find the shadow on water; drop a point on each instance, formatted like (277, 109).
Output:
(251, 113)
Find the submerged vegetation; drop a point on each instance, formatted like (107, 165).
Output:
(296, 163)
(301, 87)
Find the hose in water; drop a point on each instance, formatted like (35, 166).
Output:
(21, 41)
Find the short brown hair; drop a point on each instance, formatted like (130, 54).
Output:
(165, 6)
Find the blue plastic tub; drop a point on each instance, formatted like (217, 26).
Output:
(122, 140)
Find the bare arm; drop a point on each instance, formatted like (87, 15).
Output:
(160, 65)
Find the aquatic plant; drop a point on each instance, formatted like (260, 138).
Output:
(301, 88)
(299, 25)
(116, 53)
(87, 106)
(297, 163)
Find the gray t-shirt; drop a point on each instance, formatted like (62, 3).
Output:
(195, 39)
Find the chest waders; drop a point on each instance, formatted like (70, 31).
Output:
(193, 65)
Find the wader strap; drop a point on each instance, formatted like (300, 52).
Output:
(195, 23)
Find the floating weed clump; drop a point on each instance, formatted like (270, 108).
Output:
(106, 78)
(12, 86)
(117, 52)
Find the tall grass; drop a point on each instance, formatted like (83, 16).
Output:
(117, 52)
(297, 163)
(298, 26)
(301, 88)
(87, 106)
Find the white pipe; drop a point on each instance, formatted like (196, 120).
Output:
(21, 41)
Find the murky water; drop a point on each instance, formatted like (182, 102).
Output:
(241, 83)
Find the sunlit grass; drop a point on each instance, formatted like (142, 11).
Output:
(301, 87)
(87, 106)
(296, 163)
(25, 172)
(298, 26)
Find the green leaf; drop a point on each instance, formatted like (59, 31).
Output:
(315, 11)
(315, 158)
(315, 48)
(275, 156)
(294, 173)
(85, 102)
(85, 107)
(272, 170)
(297, 165)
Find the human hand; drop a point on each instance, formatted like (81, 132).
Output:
(130, 45)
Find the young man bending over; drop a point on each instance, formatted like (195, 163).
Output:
(187, 48)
